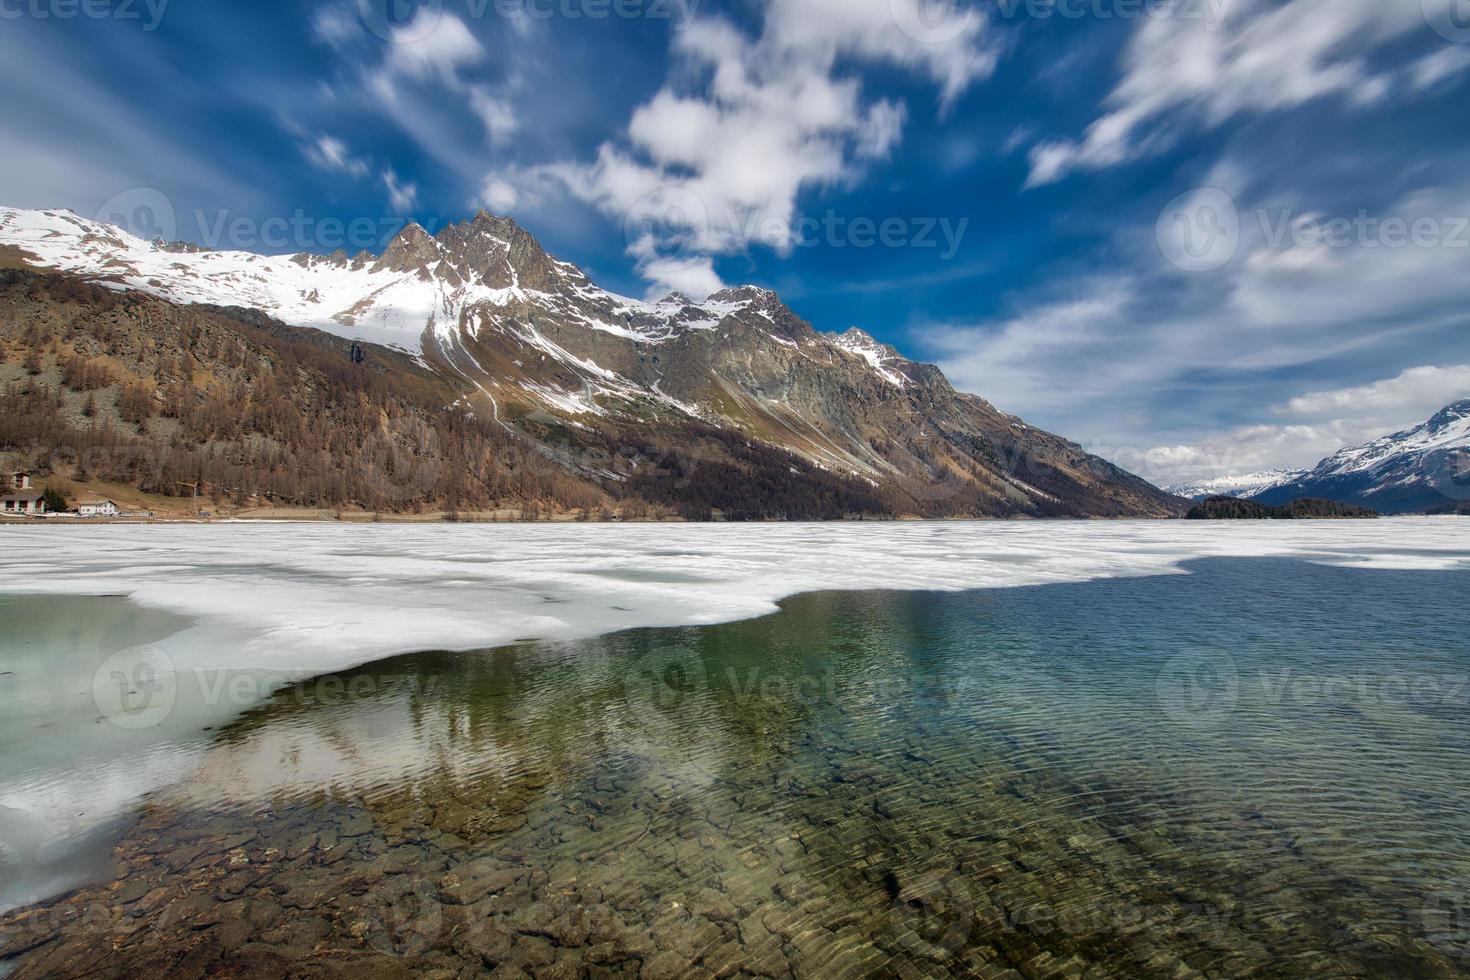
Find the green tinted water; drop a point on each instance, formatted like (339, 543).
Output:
(1259, 769)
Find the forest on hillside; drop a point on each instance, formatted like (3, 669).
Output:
(123, 387)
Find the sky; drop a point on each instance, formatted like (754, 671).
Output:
(1199, 237)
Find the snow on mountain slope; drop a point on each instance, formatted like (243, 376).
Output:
(421, 283)
(348, 299)
(1244, 485)
(877, 355)
(1449, 429)
(1415, 470)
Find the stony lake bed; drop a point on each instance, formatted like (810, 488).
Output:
(1066, 750)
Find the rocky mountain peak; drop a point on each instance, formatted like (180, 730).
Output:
(497, 251)
(750, 295)
(412, 250)
(1449, 415)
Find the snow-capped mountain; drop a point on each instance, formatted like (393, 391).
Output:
(420, 291)
(1422, 468)
(1245, 485)
(535, 344)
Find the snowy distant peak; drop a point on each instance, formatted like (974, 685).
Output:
(1244, 485)
(884, 359)
(1415, 470)
(746, 296)
(1450, 417)
(1449, 429)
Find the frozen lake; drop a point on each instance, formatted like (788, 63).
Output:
(115, 699)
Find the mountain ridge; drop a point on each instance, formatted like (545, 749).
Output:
(1420, 468)
(533, 343)
(1246, 485)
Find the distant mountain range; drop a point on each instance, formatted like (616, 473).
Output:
(738, 404)
(1426, 468)
(1244, 486)
(1420, 469)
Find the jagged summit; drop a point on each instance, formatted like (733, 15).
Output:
(412, 250)
(1449, 416)
(744, 294)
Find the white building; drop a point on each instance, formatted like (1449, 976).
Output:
(97, 508)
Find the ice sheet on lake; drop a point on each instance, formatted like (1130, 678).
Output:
(275, 603)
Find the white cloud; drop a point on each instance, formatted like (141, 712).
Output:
(1249, 449)
(1028, 362)
(1263, 56)
(441, 51)
(438, 58)
(716, 166)
(1327, 421)
(1440, 65)
(945, 41)
(337, 25)
(89, 141)
(694, 277)
(403, 197)
(1109, 359)
(498, 195)
(331, 154)
(882, 129)
(495, 113)
(1411, 396)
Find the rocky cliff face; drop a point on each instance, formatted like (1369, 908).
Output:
(533, 343)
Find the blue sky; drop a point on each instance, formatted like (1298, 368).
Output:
(1199, 236)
